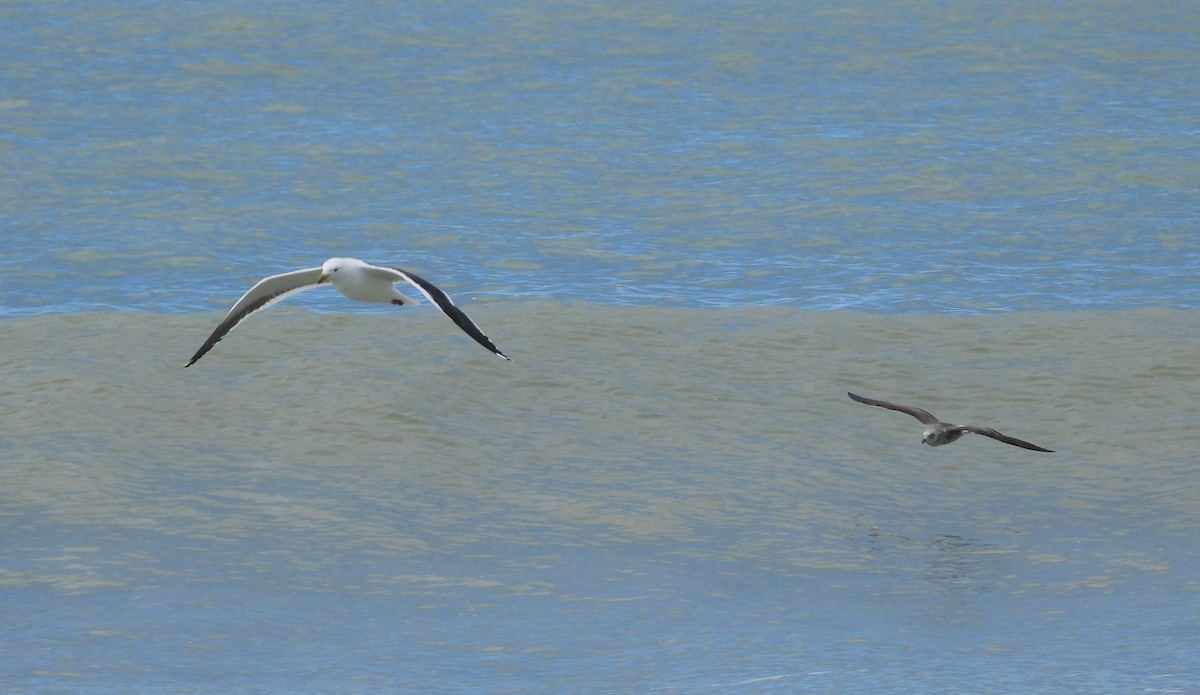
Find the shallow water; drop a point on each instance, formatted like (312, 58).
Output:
(694, 226)
(646, 499)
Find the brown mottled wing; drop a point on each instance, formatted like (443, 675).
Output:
(989, 432)
(264, 293)
(923, 415)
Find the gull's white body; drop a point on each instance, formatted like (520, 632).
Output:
(356, 280)
(365, 282)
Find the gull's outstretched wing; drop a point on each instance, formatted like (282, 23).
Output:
(923, 415)
(265, 293)
(989, 432)
(443, 302)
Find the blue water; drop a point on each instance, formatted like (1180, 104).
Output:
(644, 500)
(901, 157)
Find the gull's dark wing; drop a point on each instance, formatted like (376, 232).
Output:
(443, 302)
(989, 432)
(265, 293)
(923, 415)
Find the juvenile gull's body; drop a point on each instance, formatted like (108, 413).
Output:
(355, 279)
(938, 433)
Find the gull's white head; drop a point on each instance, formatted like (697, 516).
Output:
(331, 267)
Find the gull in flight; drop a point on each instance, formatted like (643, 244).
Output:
(354, 278)
(938, 433)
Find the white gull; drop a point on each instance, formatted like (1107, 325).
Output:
(354, 278)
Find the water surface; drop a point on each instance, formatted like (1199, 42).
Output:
(694, 226)
(648, 499)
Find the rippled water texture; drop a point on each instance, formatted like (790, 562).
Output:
(895, 157)
(694, 226)
(655, 499)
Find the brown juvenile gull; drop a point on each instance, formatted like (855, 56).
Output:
(354, 278)
(938, 433)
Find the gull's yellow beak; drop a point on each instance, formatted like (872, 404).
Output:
(322, 278)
